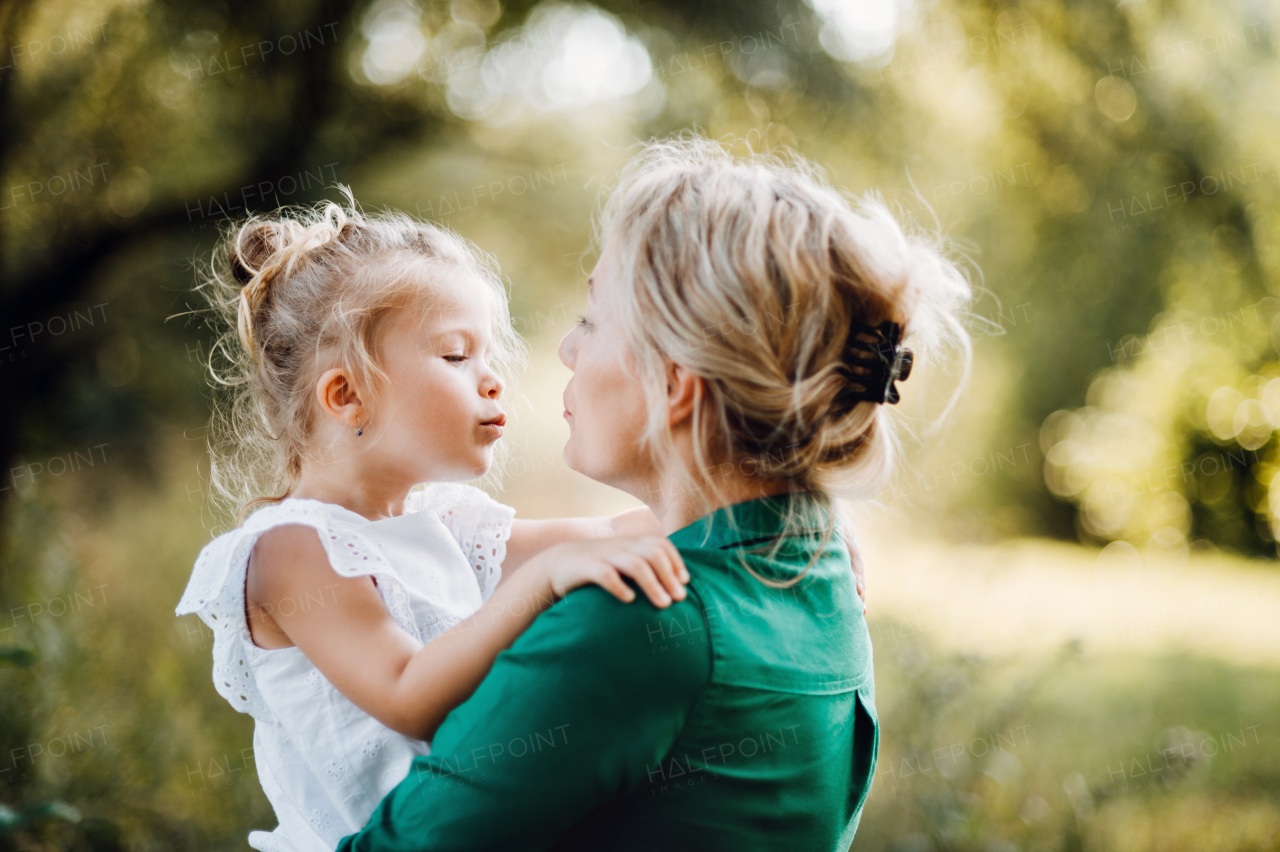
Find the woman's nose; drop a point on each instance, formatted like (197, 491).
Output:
(568, 350)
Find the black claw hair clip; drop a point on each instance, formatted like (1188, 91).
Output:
(873, 361)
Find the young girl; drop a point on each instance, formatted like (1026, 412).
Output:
(352, 612)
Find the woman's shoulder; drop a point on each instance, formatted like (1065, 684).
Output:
(761, 610)
(673, 644)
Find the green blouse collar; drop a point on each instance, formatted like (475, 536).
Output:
(753, 522)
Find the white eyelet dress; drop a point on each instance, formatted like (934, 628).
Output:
(324, 763)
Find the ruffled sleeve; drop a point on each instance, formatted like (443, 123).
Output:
(216, 590)
(480, 524)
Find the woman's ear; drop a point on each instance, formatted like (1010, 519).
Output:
(338, 397)
(684, 392)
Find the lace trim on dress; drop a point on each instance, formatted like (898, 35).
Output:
(480, 524)
(270, 841)
(216, 594)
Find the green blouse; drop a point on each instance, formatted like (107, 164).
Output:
(740, 718)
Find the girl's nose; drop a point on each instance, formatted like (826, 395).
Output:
(493, 387)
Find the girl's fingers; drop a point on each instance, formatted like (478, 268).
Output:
(611, 581)
(663, 565)
(682, 572)
(639, 569)
(667, 567)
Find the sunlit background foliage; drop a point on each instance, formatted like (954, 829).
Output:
(1108, 169)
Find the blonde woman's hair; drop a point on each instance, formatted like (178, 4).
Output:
(305, 289)
(750, 272)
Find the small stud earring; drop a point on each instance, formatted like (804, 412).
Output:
(359, 429)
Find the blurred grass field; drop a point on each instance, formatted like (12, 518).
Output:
(1033, 700)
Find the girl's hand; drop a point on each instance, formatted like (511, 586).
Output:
(652, 562)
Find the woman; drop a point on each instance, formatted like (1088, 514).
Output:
(740, 337)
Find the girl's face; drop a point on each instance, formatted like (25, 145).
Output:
(441, 413)
(604, 401)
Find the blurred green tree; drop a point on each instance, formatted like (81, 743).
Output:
(1046, 134)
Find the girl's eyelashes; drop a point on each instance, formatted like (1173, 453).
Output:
(455, 359)
(582, 321)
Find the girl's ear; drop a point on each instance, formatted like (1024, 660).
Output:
(338, 397)
(684, 392)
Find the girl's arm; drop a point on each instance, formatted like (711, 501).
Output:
(529, 538)
(353, 640)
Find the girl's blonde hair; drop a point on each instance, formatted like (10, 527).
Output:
(750, 273)
(305, 289)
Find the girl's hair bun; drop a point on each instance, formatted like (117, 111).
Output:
(264, 249)
(252, 249)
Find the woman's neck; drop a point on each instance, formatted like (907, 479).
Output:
(676, 505)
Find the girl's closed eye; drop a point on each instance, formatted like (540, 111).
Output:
(582, 321)
(455, 359)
